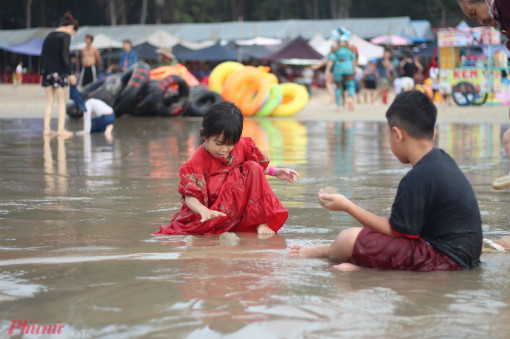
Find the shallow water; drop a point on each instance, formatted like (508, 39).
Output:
(76, 218)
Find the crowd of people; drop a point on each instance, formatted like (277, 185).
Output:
(374, 82)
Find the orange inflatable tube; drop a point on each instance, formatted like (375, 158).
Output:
(248, 89)
(162, 72)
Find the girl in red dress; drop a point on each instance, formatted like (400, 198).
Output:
(224, 185)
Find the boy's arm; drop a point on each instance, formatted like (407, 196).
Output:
(338, 202)
(369, 219)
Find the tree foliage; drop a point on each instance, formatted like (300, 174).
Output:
(47, 13)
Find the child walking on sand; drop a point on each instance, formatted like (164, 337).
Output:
(435, 222)
(224, 186)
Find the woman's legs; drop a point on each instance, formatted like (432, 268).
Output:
(338, 95)
(47, 110)
(61, 105)
(350, 85)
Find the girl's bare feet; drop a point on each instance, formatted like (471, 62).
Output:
(296, 250)
(338, 109)
(264, 229)
(64, 134)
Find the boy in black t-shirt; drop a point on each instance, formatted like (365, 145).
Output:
(435, 222)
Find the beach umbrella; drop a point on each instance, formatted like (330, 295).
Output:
(393, 40)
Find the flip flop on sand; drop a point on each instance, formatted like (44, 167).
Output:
(501, 182)
(491, 246)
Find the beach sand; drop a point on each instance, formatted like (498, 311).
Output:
(27, 101)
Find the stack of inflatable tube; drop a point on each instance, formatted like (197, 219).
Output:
(200, 100)
(162, 72)
(256, 91)
(136, 92)
(166, 97)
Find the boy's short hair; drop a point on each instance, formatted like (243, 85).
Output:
(415, 113)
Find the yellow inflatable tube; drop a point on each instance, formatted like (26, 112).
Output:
(220, 74)
(248, 89)
(295, 97)
(273, 80)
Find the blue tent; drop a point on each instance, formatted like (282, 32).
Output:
(216, 52)
(29, 47)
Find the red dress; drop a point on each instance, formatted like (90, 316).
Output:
(236, 186)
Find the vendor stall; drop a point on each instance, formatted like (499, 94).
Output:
(471, 62)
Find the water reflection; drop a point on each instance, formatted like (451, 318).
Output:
(470, 142)
(76, 217)
(56, 180)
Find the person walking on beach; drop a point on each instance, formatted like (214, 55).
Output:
(435, 221)
(371, 79)
(128, 56)
(342, 63)
(409, 67)
(384, 76)
(224, 186)
(90, 61)
(493, 13)
(19, 74)
(56, 71)
(307, 76)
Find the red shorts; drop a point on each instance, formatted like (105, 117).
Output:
(373, 249)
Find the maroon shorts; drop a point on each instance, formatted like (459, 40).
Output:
(376, 250)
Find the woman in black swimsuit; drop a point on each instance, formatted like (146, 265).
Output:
(56, 72)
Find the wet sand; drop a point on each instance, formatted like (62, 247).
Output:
(28, 101)
(76, 217)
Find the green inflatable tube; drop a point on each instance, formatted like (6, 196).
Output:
(274, 99)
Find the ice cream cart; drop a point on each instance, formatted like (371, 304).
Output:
(470, 63)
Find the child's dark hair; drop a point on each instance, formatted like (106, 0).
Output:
(68, 20)
(222, 118)
(415, 113)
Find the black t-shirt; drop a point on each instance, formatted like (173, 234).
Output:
(436, 202)
(55, 53)
(409, 69)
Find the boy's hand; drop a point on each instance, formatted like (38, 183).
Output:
(286, 174)
(72, 79)
(208, 214)
(333, 202)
